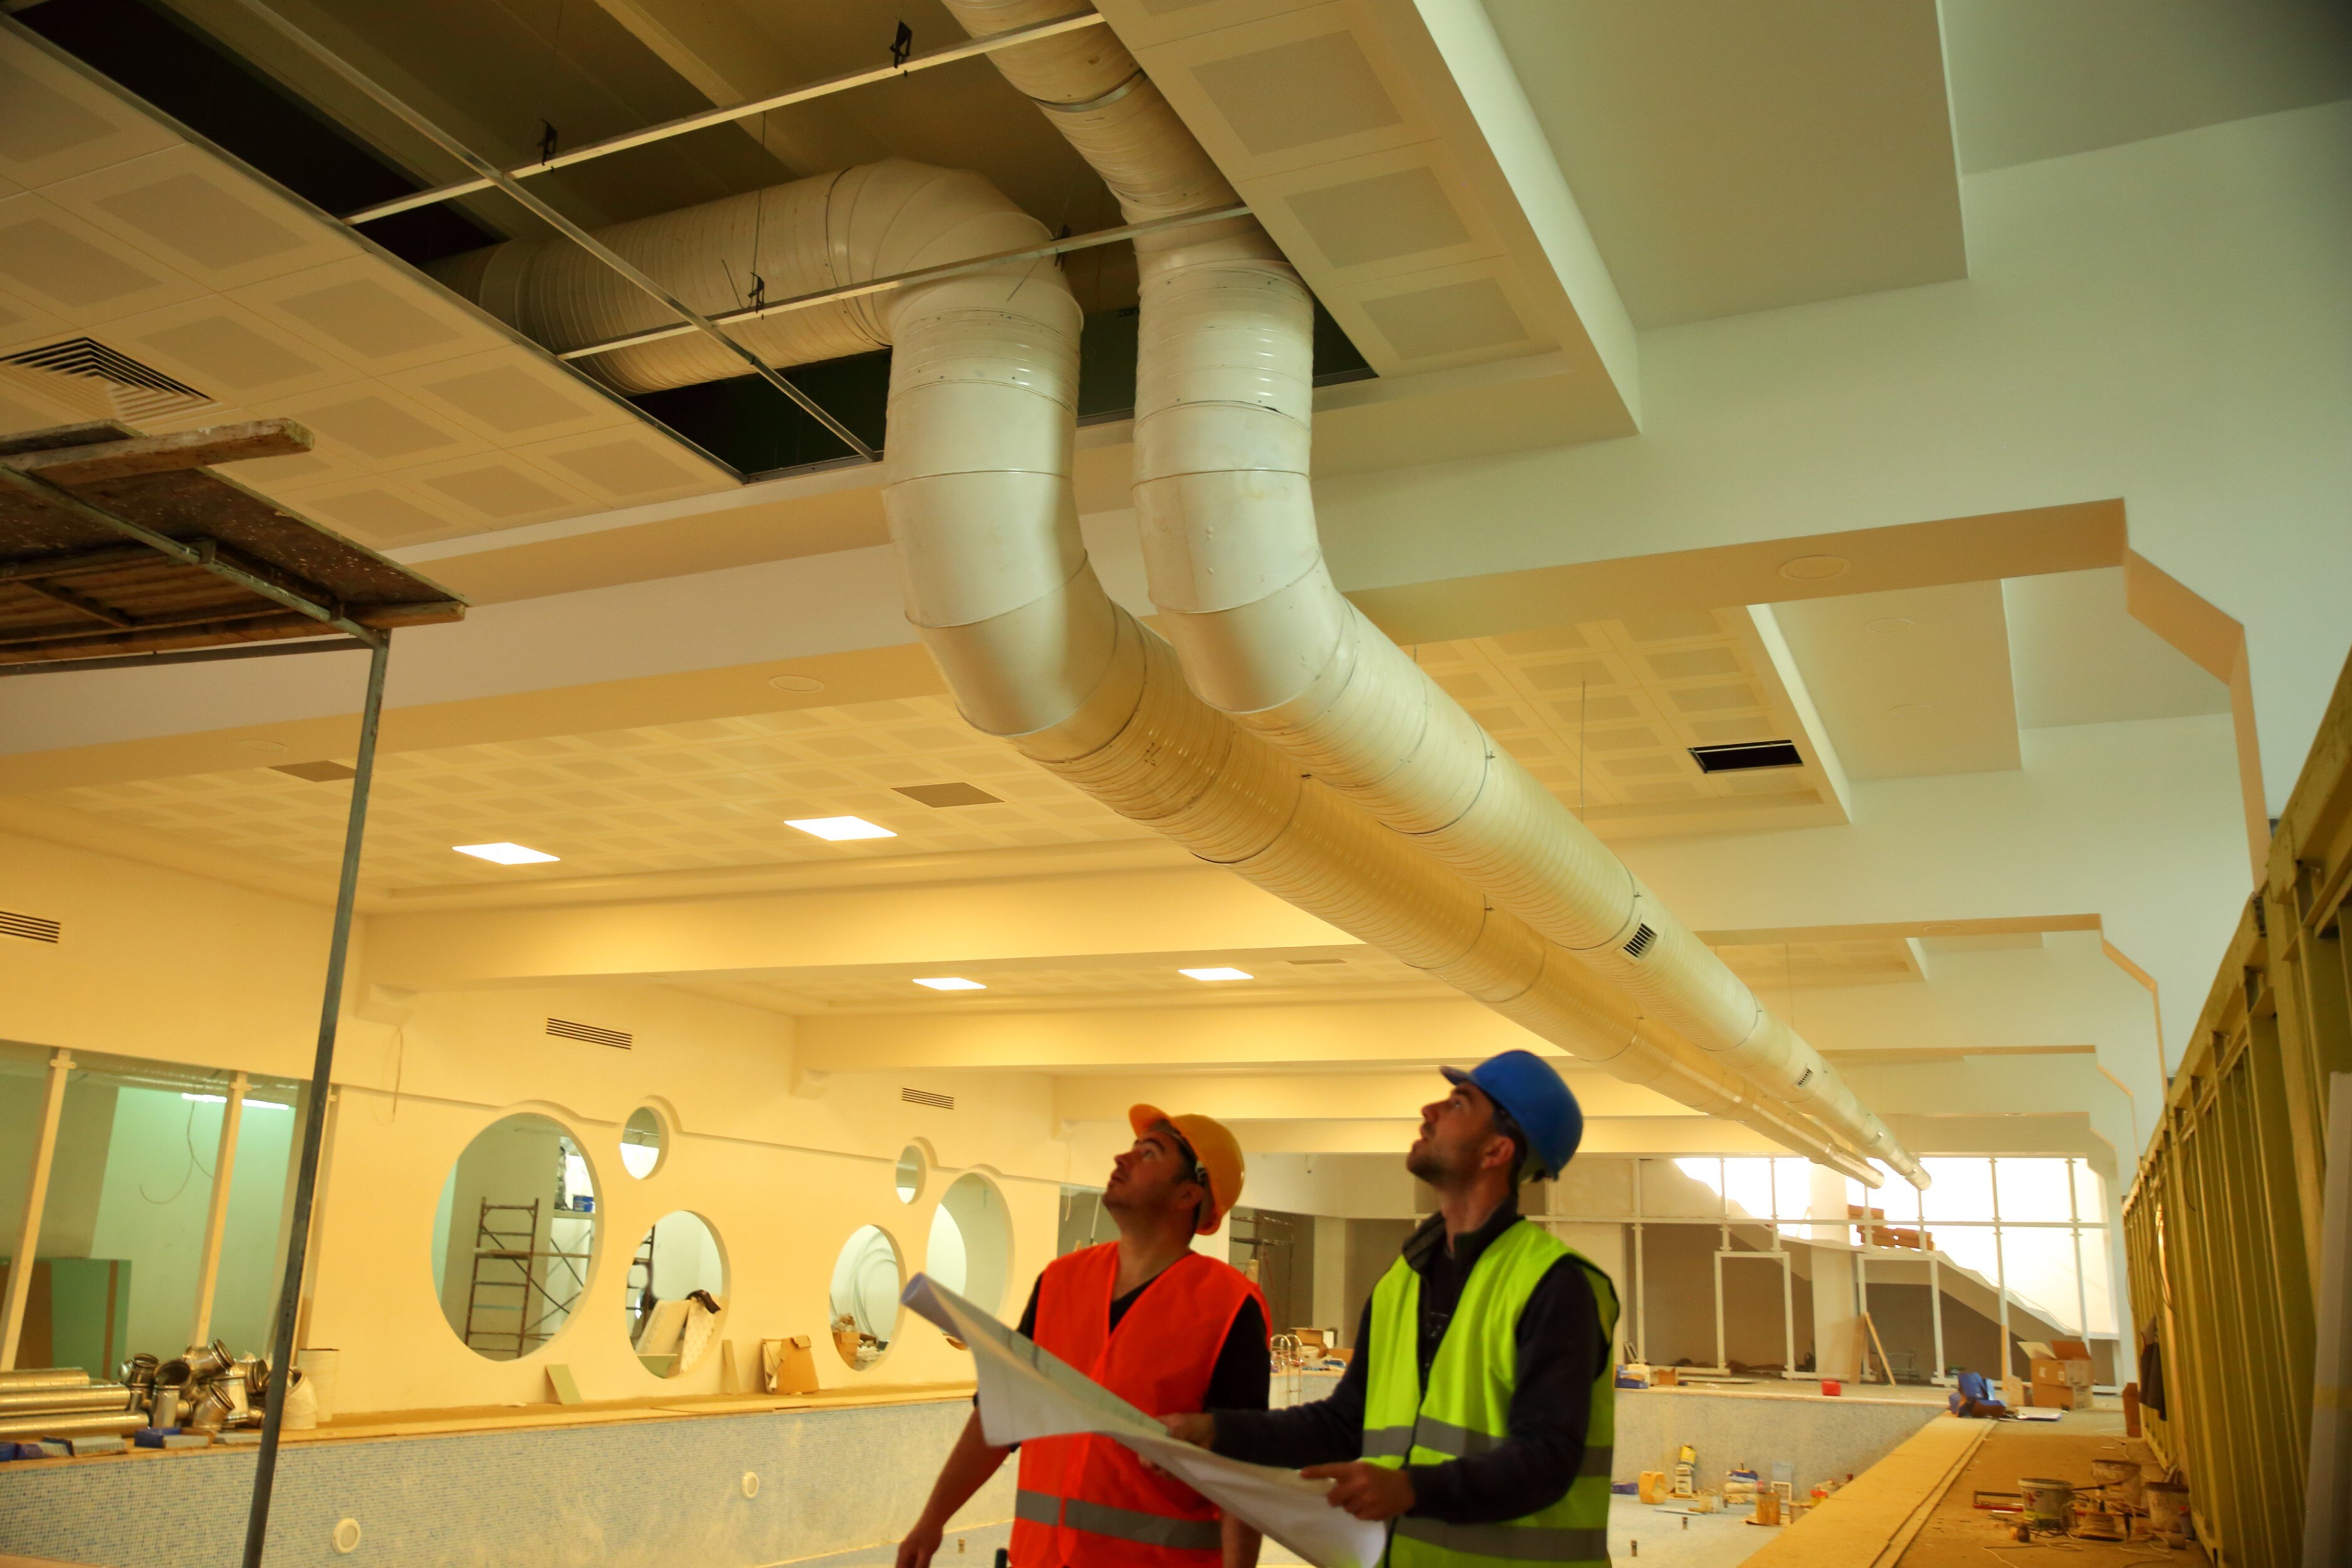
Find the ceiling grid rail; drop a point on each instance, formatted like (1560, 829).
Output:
(386, 100)
(684, 125)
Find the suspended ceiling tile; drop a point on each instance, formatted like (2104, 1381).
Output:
(220, 347)
(55, 123)
(25, 325)
(379, 512)
(75, 268)
(512, 396)
(1398, 211)
(1435, 320)
(499, 490)
(182, 206)
(369, 423)
(377, 318)
(626, 468)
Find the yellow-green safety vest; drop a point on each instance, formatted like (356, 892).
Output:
(1466, 1407)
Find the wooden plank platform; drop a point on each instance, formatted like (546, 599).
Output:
(72, 587)
(1867, 1522)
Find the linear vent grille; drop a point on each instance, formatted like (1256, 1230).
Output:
(94, 380)
(1746, 755)
(1643, 937)
(31, 927)
(566, 1029)
(927, 1097)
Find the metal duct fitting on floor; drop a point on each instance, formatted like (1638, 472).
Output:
(1224, 412)
(982, 419)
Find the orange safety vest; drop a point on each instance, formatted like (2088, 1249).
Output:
(1085, 1500)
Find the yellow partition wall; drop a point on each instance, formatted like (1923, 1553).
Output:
(2223, 1222)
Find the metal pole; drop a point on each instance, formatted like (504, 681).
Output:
(1935, 1284)
(2082, 1289)
(1722, 1245)
(2000, 1267)
(37, 1194)
(1641, 1325)
(314, 1113)
(216, 1218)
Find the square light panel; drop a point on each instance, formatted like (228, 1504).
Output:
(951, 983)
(506, 854)
(836, 829)
(1222, 972)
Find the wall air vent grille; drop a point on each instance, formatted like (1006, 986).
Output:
(1643, 937)
(926, 1097)
(1746, 754)
(30, 928)
(101, 382)
(566, 1029)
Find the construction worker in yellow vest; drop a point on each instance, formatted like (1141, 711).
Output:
(1478, 1411)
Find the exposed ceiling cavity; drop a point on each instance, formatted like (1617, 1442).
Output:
(2043, 78)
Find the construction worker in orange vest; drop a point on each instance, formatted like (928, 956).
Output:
(1160, 1325)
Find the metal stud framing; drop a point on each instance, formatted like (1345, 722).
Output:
(2223, 1224)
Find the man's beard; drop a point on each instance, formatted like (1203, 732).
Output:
(1425, 1162)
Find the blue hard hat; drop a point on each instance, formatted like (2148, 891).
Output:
(1526, 1089)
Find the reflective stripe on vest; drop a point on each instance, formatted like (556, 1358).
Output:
(1466, 1408)
(1124, 1523)
(1085, 1500)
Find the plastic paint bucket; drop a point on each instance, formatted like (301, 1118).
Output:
(2047, 1502)
(2168, 1510)
(2121, 1478)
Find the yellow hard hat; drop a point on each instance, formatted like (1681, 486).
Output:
(1216, 1150)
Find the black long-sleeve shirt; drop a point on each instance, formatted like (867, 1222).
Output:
(1560, 1348)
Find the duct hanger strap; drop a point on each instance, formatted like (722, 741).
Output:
(555, 220)
(688, 123)
(1103, 101)
(908, 279)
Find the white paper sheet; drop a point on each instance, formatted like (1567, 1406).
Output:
(1025, 1392)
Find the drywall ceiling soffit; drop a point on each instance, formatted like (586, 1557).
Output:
(1910, 683)
(1282, 977)
(432, 420)
(1605, 714)
(2034, 80)
(2081, 657)
(1732, 157)
(1389, 151)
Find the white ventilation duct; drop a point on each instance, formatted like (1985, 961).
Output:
(978, 489)
(1224, 408)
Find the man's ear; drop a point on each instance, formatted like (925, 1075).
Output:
(1489, 1160)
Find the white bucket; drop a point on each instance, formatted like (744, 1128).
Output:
(320, 1368)
(2168, 1510)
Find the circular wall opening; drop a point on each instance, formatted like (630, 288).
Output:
(908, 1179)
(866, 1279)
(676, 1287)
(514, 1236)
(971, 1250)
(644, 1142)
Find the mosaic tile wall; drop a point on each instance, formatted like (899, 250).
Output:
(833, 1484)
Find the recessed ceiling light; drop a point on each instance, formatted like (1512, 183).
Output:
(1887, 625)
(1222, 972)
(1814, 567)
(505, 854)
(836, 829)
(951, 983)
(1911, 710)
(796, 683)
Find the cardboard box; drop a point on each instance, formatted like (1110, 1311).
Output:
(786, 1366)
(2071, 1372)
(2053, 1396)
